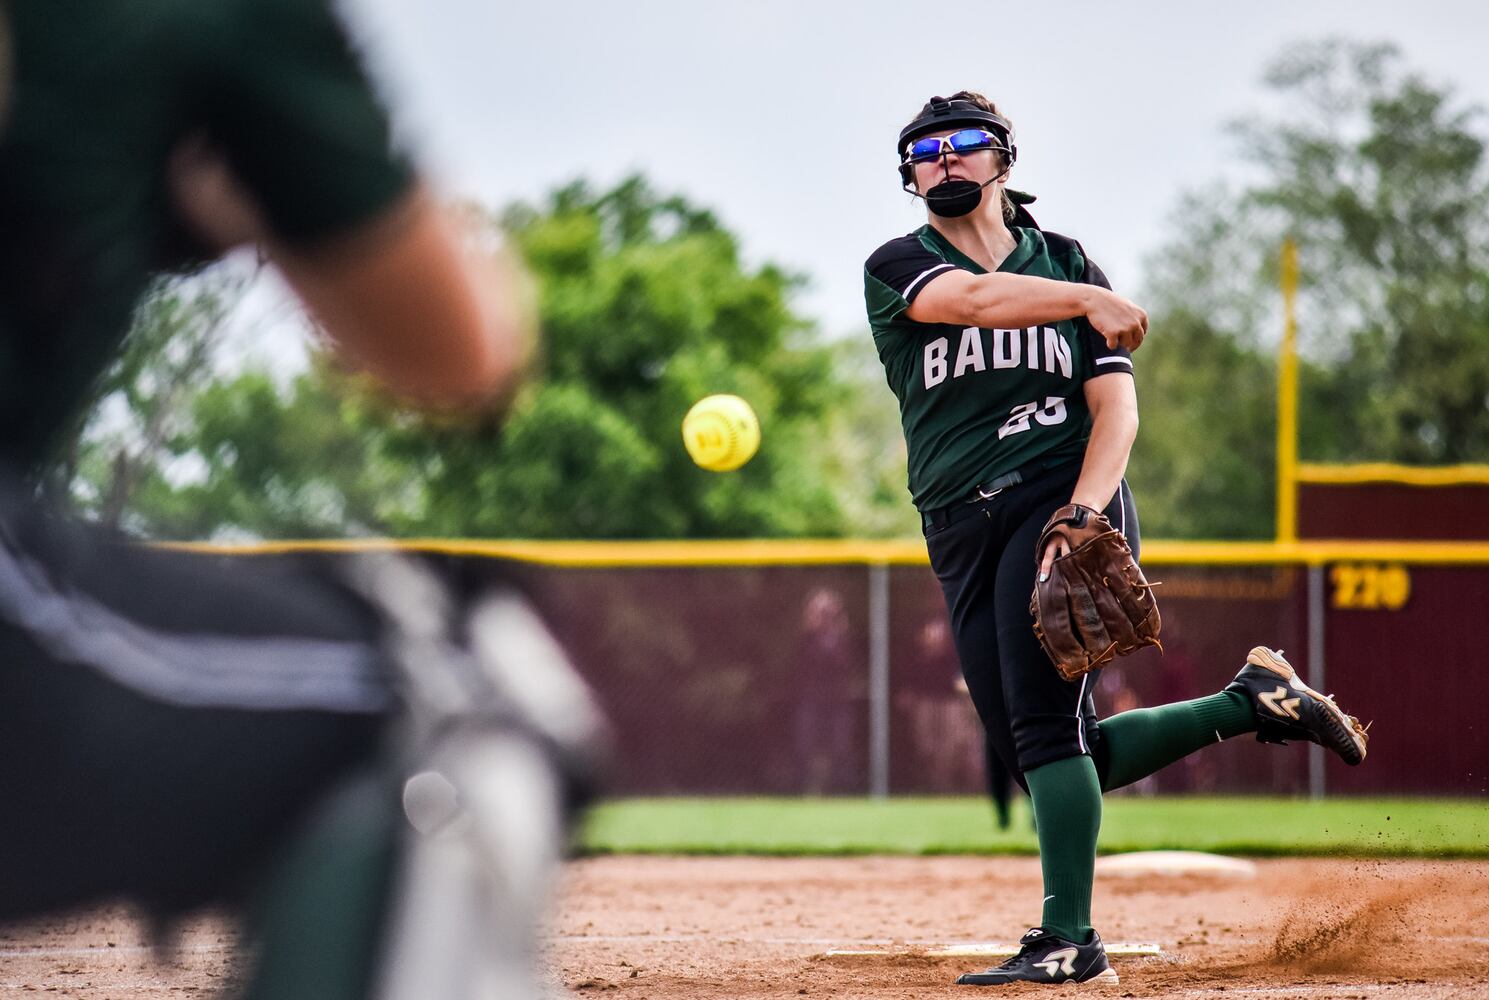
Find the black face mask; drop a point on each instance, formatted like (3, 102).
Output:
(953, 199)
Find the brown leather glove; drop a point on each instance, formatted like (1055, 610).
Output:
(1096, 604)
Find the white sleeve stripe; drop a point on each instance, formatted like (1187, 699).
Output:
(1115, 361)
(921, 277)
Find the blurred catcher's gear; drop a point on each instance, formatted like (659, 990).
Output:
(501, 747)
(1096, 604)
(1288, 709)
(1046, 958)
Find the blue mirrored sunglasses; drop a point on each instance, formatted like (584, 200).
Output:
(968, 140)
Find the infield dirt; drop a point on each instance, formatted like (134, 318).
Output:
(756, 927)
(707, 928)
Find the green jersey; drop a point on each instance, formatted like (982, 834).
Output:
(977, 404)
(102, 92)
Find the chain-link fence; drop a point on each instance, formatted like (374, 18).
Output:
(841, 679)
(805, 676)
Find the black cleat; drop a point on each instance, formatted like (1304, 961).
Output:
(1288, 709)
(1045, 958)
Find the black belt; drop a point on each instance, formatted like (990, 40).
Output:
(939, 517)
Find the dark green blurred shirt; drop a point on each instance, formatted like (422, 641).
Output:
(103, 91)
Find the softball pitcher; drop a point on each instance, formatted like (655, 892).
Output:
(1012, 362)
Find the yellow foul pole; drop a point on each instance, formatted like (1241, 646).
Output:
(1287, 400)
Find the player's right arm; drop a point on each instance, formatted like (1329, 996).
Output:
(1014, 301)
(295, 154)
(929, 289)
(405, 299)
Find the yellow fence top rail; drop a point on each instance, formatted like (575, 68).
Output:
(901, 552)
(1386, 472)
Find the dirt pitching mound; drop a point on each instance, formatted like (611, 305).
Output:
(707, 928)
(1378, 921)
(753, 928)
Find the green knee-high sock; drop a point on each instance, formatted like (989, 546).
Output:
(1137, 743)
(1067, 808)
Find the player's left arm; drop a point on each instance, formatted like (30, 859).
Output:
(1112, 400)
(1111, 397)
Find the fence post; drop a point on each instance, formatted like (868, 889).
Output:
(878, 680)
(1317, 671)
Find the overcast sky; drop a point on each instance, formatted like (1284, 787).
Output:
(781, 116)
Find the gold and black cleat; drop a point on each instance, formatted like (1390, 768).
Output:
(1288, 709)
(1045, 958)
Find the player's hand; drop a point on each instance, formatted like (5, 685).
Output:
(1054, 550)
(1120, 322)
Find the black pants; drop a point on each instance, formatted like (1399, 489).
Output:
(986, 565)
(165, 718)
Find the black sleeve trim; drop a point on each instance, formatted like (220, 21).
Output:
(906, 266)
(1065, 246)
(1119, 360)
(1094, 275)
(1104, 360)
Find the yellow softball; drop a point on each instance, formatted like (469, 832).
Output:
(721, 432)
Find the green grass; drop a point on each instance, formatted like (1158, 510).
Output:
(1256, 826)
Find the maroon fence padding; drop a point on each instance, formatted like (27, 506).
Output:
(1210, 620)
(936, 741)
(1393, 510)
(1419, 674)
(750, 680)
(736, 680)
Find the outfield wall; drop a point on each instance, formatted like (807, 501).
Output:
(781, 668)
(1392, 501)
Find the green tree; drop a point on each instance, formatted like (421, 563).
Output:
(118, 461)
(866, 447)
(1387, 197)
(646, 306)
(1381, 178)
(305, 459)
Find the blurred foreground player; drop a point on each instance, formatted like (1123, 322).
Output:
(1011, 359)
(172, 726)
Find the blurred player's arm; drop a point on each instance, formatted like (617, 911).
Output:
(405, 298)
(402, 295)
(1014, 301)
(296, 154)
